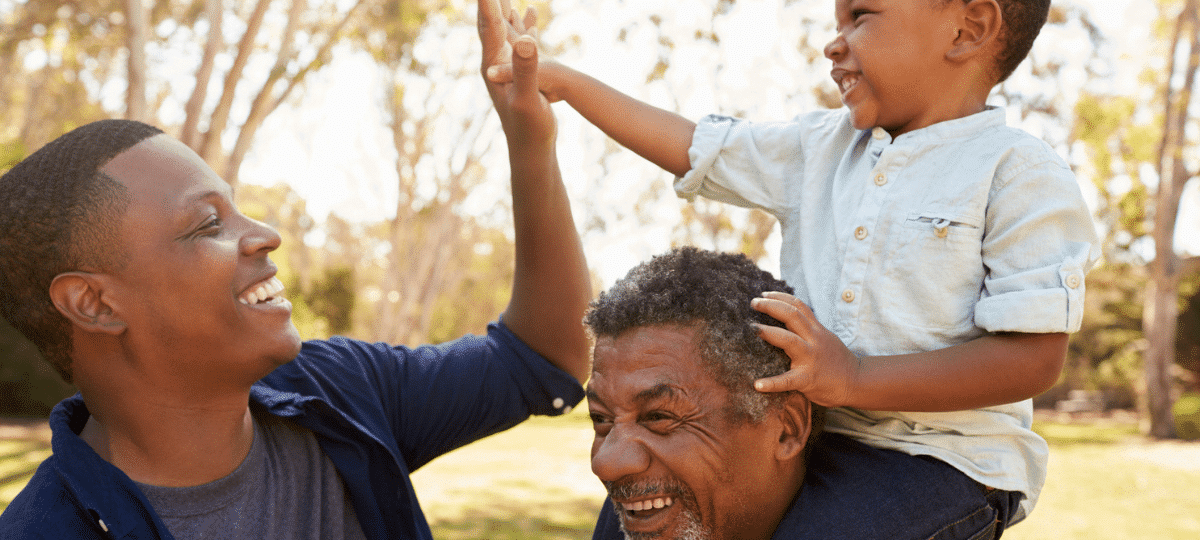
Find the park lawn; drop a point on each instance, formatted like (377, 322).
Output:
(534, 482)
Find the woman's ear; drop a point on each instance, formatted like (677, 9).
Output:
(979, 26)
(796, 418)
(79, 297)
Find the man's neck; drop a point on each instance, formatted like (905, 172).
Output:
(170, 445)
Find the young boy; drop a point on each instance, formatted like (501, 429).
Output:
(200, 414)
(938, 258)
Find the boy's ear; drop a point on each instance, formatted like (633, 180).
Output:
(78, 297)
(796, 418)
(979, 28)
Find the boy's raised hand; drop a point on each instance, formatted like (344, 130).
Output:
(822, 367)
(524, 111)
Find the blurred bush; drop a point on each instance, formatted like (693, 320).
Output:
(28, 385)
(1187, 416)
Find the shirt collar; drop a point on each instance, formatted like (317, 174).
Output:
(990, 117)
(108, 495)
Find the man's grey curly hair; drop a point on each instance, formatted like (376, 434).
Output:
(711, 292)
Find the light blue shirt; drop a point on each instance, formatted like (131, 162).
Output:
(930, 240)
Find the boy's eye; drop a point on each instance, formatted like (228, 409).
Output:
(600, 423)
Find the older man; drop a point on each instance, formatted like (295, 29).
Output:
(685, 445)
(690, 451)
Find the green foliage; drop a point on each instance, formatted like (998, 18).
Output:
(1187, 416)
(332, 298)
(28, 385)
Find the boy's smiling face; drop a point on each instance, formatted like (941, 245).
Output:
(890, 62)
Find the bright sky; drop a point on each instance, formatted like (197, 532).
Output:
(335, 150)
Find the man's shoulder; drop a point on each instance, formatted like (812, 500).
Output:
(47, 508)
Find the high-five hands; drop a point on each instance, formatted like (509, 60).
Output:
(510, 49)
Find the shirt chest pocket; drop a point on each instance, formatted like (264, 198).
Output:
(934, 271)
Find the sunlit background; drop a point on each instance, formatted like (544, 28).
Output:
(362, 131)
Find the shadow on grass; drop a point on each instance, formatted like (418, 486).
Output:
(518, 520)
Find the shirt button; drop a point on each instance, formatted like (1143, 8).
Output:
(558, 403)
(1073, 281)
(880, 179)
(878, 133)
(860, 232)
(848, 295)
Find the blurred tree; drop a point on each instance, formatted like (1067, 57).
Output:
(1141, 160)
(59, 66)
(438, 257)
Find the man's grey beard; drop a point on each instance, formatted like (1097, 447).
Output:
(690, 529)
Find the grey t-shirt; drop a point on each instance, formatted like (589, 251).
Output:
(286, 488)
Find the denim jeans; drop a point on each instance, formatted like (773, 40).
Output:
(855, 491)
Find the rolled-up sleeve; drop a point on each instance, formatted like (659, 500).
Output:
(741, 162)
(1039, 244)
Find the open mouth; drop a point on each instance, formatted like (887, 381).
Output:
(647, 507)
(847, 83)
(267, 291)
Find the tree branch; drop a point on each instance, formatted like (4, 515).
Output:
(190, 134)
(210, 148)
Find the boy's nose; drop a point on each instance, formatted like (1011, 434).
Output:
(836, 48)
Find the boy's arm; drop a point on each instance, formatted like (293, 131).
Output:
(551, 284)
(660, 136)
(990, 370)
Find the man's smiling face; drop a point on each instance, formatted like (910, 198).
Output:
(198, 289)
(676, 458)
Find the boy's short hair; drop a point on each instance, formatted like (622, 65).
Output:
(1023, 21)
(58, 213)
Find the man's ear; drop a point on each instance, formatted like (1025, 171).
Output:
(979, 28)
(78, 297)
(796, 418)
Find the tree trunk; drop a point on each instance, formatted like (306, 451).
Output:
(1162, 308)
(136, 22)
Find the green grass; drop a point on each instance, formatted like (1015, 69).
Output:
(1105, 482)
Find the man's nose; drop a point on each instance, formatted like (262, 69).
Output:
(619, 454)
(259, 237)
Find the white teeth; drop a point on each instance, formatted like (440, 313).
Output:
(637, 506)
(267, 289)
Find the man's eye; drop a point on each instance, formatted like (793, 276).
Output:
(601, 424)
(210, 228)
(658, 420)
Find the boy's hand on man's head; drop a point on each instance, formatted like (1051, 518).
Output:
(823, 368)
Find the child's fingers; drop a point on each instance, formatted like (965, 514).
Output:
(500, 73)
(788, 310)
(800, 373)
(530, 23)
(784, 382)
